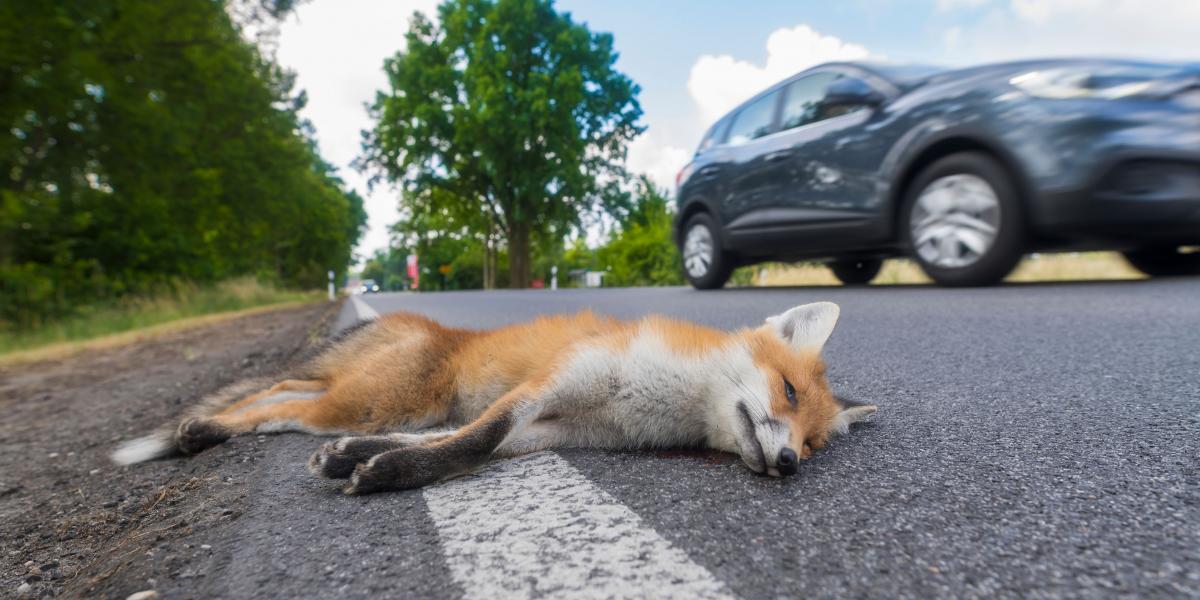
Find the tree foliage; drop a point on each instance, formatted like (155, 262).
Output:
(641, 253)
(148, 142)
(513, 112)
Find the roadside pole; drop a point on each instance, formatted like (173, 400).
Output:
(331, 294)
(554, 277)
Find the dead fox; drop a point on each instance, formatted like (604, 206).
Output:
(560, 381)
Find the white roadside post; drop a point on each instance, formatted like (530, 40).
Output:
(331, 294)
(554, 277)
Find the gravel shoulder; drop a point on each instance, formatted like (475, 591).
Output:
(72, 523)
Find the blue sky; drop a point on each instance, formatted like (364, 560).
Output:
(695, 59)
(659, 42)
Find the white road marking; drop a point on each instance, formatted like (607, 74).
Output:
(535, 526)
(362, 310)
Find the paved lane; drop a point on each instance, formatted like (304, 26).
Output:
(1034, 440)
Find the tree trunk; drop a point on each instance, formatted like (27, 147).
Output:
(487, 251)
(518, 255)
(495, 258)
(489, 255)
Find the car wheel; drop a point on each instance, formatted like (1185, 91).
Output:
(962, 221)
(705, 266)
(1164, 261)
(856, 271)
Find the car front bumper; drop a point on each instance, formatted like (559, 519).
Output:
(1146, 199)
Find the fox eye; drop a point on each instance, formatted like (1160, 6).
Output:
(790, 391)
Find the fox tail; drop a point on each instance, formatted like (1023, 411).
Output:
(163, 442)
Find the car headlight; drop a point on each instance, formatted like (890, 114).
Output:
(1063, 84)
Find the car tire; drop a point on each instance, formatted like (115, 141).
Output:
(705, 266)
(855, 271)
(1164, 261)
(963, 221)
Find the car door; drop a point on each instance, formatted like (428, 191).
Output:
(702, 179)
(826, 181)
(751, 184)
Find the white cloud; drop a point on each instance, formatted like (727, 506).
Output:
(659, 161)
(718, 83)
(953, 37)
(337, 50)
(957, 4)
(1164, 29)
(1159, 14)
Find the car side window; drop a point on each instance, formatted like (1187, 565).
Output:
(754, 120)
(714, 136)
(802, 101)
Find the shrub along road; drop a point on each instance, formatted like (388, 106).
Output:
(1032, 440)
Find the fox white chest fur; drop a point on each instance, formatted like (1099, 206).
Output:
(556, 382)
(639, 394)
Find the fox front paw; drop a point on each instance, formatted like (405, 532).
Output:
(337, 459)
(198, 434)
(403, 469)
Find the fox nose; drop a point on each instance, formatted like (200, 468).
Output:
(787, 462)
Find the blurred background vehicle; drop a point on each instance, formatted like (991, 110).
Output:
(963, 170)
(369, 286)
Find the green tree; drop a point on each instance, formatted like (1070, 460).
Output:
(142, 143)
(513, 110)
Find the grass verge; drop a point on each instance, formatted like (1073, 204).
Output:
(183, 307)
(1084, 266)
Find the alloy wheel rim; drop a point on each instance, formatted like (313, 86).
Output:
(698, 251)
(955, 220)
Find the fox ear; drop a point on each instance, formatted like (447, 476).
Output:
(849, 413)
(806, 327)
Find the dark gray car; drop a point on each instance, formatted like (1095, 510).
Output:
(963, 170)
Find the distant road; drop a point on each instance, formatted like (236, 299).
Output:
(1032, 441)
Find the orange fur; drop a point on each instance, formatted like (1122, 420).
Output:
(687, 339)
(405, 371)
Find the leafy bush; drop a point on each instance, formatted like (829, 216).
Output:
(642, 253)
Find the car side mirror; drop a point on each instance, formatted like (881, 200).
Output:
(852, 92)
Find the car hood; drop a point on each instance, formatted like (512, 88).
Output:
(1180, 71)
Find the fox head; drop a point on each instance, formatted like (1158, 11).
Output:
(783, 409)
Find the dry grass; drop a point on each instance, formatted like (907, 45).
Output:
(1087, 266)
(183, 307)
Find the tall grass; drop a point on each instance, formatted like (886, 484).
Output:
(180, 301)
(1085, 266)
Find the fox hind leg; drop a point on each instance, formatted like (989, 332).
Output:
(321, 415)
(280, 391)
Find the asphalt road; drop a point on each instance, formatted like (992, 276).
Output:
(1032, 441)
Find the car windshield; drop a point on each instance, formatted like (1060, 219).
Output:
(1109, 76)
(904, 75)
